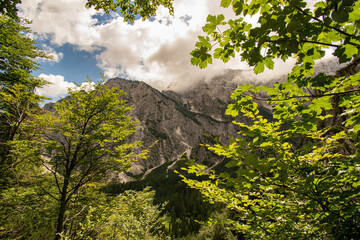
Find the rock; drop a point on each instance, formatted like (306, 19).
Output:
(176, 122)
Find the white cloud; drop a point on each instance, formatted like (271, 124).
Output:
(55, 56)
(157, 52)
(86, 86)
(57, 87)
(63, 21)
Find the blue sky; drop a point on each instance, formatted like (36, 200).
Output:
(85, 42)
(74, 65)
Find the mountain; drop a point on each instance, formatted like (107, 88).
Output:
(173, 123)
(177, 122)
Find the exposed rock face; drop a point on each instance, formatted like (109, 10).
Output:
(178, 121)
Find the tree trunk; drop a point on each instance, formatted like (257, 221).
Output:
(62, 209)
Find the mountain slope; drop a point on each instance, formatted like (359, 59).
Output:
(178, 121)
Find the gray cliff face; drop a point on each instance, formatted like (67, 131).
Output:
(177, 121)
(173, 124)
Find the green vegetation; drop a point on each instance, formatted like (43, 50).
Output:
(294, 174)
(297, 176)
(130, 9)
(130, 215)
(184, 207)
(8, 8)
(18, 55)
(79, 143)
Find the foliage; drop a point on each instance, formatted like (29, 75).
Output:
(8, 7)
(297, 176)
(131, 9)
(24, 208)
(184, 207)
(18, 53)
(78, 143)
(18, 58)
(130, 215)
(26, 211)
(216, 228)
(284, 29)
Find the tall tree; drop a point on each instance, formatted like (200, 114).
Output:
(80, 142)
(296, 177)
(18, 58)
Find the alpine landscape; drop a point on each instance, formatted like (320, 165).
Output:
(223, 120)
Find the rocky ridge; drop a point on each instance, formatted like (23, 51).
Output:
(173, 123)
(177, 122)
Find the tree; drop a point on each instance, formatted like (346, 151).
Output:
(296, 176)
(8, 7)
(18, 53)
(129, 215)
(83, 139)
(18, 58)
(131, 9)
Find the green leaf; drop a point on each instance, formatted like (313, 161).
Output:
(225, 3)
(259, 68)
(323, 102)
(346, 52)
(238, 8)
(340, 16)
(356, 184)
(269, 63)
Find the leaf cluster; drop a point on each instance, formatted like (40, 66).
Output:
(131, 10)
(8, 7)
(296, 176)
(129, 215)
(284, 29)
(18, 58)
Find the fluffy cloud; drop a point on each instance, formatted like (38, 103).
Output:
(55, 56)
(157, 51)
(57, 86)
(63, 21)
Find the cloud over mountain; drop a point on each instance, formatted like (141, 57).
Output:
(156, 51)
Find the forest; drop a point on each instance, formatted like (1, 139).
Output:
(294, 176)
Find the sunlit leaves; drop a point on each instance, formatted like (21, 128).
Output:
(18, 52)
(8, 7)
(76, 144)
(259, 68)
(225, 3)
(213, 22)
(345, 53)
(201, 57)
(130, 10)
(128, 215)
(292, 27)
(294, 164)
(289, 167)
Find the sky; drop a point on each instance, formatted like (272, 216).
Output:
(85, 42)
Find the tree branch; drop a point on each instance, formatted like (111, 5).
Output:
(307, 96)
(318, 20)
(52, 196)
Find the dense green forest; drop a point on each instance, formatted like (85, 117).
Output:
(296, 176)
